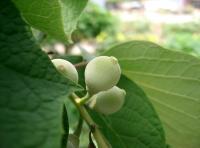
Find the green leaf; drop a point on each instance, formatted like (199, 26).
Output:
(172, 82)
(135, 125)
(58, 18)
(31, 90)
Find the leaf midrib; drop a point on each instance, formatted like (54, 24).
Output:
(161, 90)
(162, 75)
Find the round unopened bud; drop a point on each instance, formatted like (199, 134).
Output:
(108, 102)
(66, 68)
(102, 73)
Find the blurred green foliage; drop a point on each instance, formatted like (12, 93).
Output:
(183, 37)
(186, 42)
(190, 27)
(94, 21)
(139, 26)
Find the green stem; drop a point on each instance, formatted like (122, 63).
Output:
(101, 141)
(84, 99)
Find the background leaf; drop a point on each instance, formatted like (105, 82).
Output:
(135, 125)
(172, 82)
(58, 18)
(31, 90)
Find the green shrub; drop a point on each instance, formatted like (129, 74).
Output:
(94, 21)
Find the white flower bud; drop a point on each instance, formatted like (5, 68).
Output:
(66, 68)
(102, 73)
(108, 102)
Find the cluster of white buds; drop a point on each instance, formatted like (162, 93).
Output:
(101, 76)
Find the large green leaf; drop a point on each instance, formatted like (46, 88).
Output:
(31, 90)
(172, 81)
(136, 125)
(58, 18)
